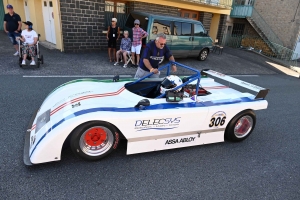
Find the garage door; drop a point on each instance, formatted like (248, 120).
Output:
(1, 14)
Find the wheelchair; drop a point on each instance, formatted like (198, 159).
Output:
(39, 58)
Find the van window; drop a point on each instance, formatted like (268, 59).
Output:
(177, 28)
(186, 29)
(161, 26)
(198, 30)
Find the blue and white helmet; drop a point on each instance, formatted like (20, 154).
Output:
(169, 83)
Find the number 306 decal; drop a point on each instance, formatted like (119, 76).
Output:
(218, 119)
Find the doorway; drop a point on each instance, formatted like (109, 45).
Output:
(26, 9)
(49, 21)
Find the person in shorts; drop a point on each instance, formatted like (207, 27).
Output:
(12, 26)
(125, 48)
(112, 35)
(137, 36)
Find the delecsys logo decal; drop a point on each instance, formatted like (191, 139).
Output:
(157, 124)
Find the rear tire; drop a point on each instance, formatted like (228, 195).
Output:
(203, 55)
(241, 126)
(94, 140)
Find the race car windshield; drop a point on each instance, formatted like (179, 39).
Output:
(167, 84)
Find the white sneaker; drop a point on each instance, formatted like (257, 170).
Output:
(125, 66)
(23, 62)
(32, 62)
(16, 54)
(116, 63)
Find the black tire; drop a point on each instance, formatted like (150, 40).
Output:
(42, 59)
(98, 133)
(203, 55)
(248, 120)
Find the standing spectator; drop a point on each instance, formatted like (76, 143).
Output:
(112, 35)
(154, 55)
(124, 49)
(12, 26)
(29, 39)
(137, 37)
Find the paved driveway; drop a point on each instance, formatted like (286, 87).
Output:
(232, 61)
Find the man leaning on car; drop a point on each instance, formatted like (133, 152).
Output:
(153, 55)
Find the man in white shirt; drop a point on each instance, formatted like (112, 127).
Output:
(29, 39)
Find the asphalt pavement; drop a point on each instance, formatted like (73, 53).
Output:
(264, 166)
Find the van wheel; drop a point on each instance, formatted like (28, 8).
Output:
(241, 126)
(203, 55)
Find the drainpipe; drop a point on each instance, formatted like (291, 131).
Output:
(60, 24)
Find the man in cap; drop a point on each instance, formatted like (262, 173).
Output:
(12, 26)
(137, 36)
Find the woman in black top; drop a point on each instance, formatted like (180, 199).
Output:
(113, 34)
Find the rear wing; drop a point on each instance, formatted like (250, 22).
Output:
(261, 92)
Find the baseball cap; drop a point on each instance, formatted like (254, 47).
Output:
(9, 6)
(28, 23)
(114, 19)
(137, 21)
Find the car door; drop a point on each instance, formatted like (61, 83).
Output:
(182, 39)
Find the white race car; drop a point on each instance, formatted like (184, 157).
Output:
(93, 115)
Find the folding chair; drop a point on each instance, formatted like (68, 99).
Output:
(128, 58)
(217, 46)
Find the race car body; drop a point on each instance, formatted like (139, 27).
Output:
(94, 114)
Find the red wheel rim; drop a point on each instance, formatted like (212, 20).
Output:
(95, 136)
(243, 126)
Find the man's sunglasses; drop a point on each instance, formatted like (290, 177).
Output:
(162, 44)
(136, 24)
(112, 21)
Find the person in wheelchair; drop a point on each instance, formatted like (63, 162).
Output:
(29, 40)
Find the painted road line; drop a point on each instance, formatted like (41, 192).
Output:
(244, 75)
(76, 76)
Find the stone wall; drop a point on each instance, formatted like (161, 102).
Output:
(82, 24)
(283, 16)
(221, 29)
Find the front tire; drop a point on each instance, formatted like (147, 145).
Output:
(94, 140)
(203, 55)
(241, 126)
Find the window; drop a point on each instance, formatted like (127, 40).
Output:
(177, 28)
(186, 29)
(50, 4)
(194, 16)
(198, 30)
(187, 15)
(25, 3)
(45, 3)
(161, 26)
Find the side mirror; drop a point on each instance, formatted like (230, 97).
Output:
(143, 102)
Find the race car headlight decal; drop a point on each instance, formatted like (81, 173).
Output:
(42, 120)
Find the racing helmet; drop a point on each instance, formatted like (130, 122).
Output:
(169, 83)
